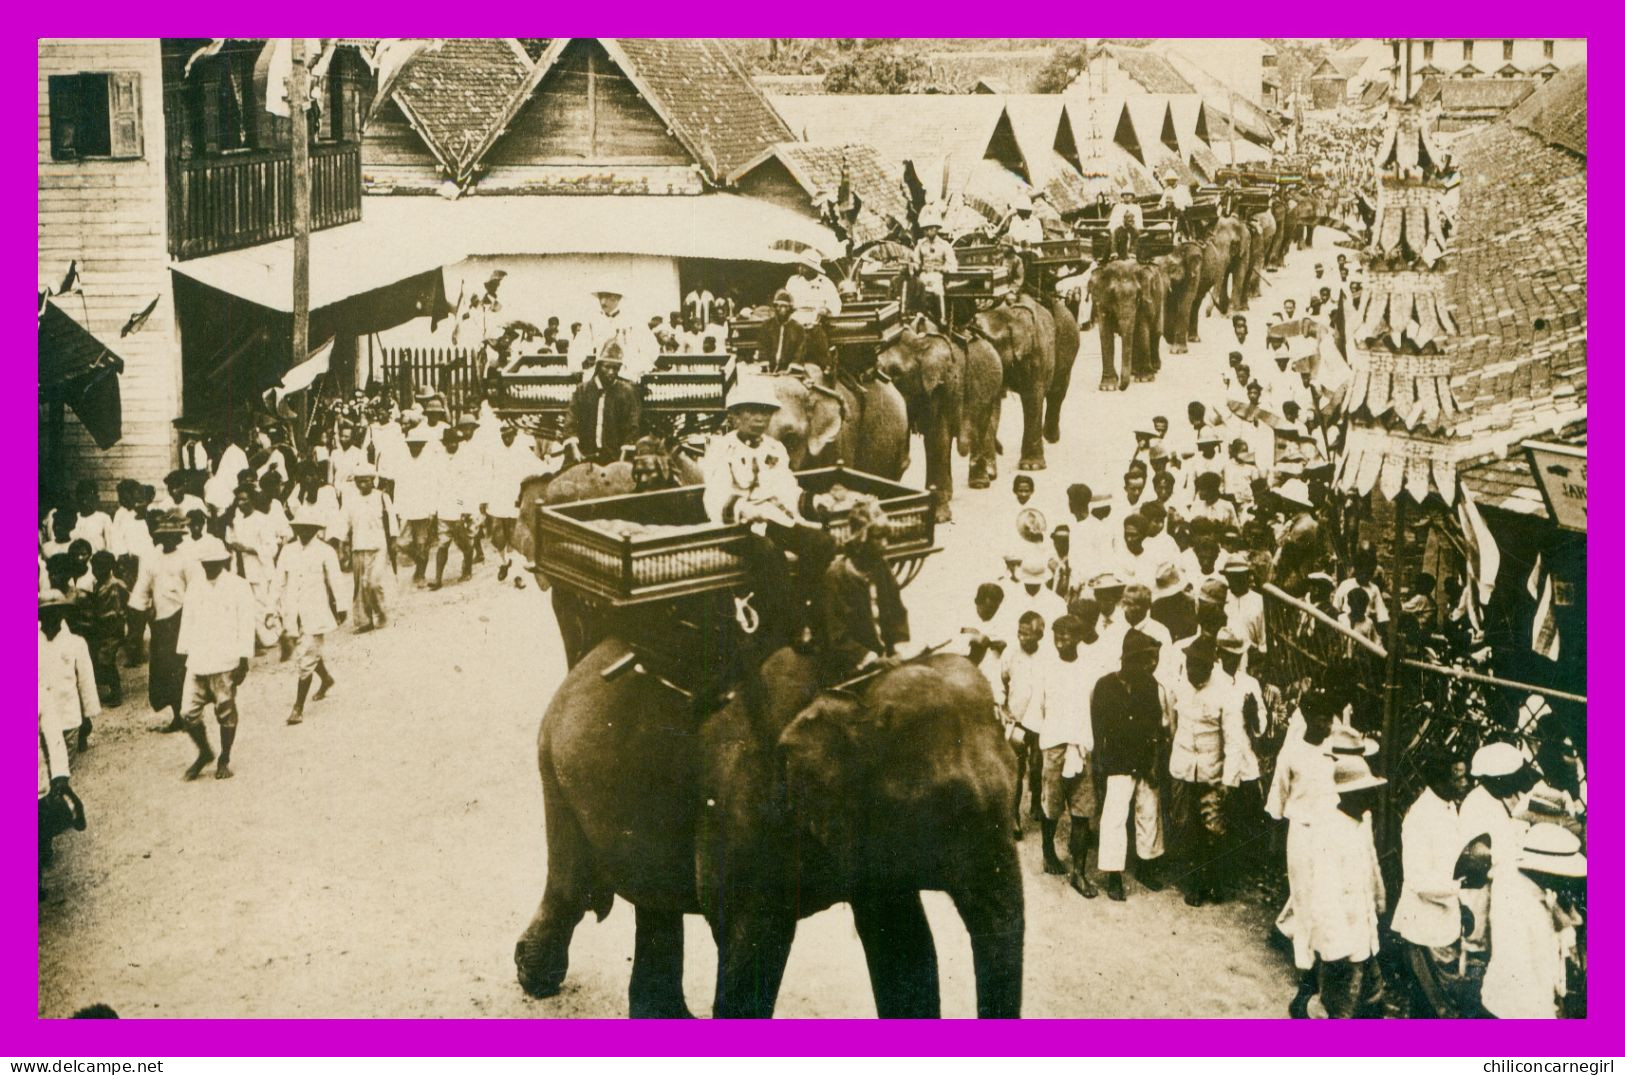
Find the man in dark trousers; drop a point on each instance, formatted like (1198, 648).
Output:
(1129, 714)
(605, 413)
(782, 337)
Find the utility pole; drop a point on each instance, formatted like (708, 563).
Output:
(298, 102)
(1232, 128)
(1390, 690)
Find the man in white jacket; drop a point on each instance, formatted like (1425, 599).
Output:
(218, 617)
(313, 599)
(1428, 913)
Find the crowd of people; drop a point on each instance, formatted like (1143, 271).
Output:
(259, 548)
(1123, 633)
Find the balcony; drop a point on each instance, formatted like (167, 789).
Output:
(244, 199)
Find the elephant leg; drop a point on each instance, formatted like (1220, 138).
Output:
(988, 443)
(939, 465)
(752, 949)
(1108, 348)
(1193, 317)
(1032, 427)
(1238, 291)
(542, 955)
(991, 908)
(657, 967)
(901, 953)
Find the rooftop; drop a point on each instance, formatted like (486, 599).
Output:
(456, 95)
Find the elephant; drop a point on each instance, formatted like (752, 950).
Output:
(1022, 331)
(1283, 212)
(1115, 293)
(1153, 300)
(1224, 262)
(1067, 344)
(954, 393)
(808, 421)
(874, 428)
(1261, 242)
(784, 801)
(1182, 269)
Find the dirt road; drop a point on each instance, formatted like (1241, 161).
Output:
(381, 859)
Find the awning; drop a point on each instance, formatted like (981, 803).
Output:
(79, 370)
(346, 261)
(723, 227)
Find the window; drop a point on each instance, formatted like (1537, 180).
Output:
(95, 114)
(1467, 51)
(1427, 52)
(223, 112)
(1506, 50)
(341, 101)
(1548, 49)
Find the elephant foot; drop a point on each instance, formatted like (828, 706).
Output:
(540, 976)
(1145, 378)
(980, 481)
(1108, 386)
(648, 1010)
(1036, 463)
(1052, 436)
(1177, 349)
(1194, 338)
(944, 513)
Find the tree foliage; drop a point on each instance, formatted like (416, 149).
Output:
(1066, 63)
(878, 69)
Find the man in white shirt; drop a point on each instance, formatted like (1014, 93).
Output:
(1362, 577)
(1020, 692)
(1347, 895)
(217, 636)
(158, 593)
(67, 679)
(368, 531)
(93, 525)
(417, 496)
(1175, 196)
(1066, 742)
(1125, 224)
(349, 458)
(509, 466)
(811, 291)
(1428, 914)
(1244, 607)
(639, 348)
(313, 599)
(1204, 761)
(456, 501)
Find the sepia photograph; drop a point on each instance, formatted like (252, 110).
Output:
(815, 528)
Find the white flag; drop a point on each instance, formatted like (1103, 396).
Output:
(303, 375)
(1484, 563)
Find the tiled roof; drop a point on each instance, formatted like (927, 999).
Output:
(818, 168)
(704, 92)
(1477, 94)
(1153, 73)
(1036, 119)
(1348, 63)
(457, 96)
(1508, 484)
(1374, 94)
(1518, 273)
(1557, 111)
(928, 129)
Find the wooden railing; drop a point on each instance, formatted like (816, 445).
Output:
(229, 202)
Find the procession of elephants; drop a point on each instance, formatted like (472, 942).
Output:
(787, 797)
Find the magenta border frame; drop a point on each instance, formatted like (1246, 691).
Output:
(22, 1034)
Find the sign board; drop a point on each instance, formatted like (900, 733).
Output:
(1560, 471)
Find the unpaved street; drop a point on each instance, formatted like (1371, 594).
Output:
(381, 859)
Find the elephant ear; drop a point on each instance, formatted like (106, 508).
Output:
(825, 415)
(940, 367)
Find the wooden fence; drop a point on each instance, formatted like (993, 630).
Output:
(454, 372)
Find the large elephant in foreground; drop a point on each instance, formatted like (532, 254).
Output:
(1022, 331)
(783, 802)
(1182, 270)
(953, 392)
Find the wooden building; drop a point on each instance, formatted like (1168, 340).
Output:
(604, 162)
(102, 154)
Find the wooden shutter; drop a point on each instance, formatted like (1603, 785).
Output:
(124, 114)
(65, 116)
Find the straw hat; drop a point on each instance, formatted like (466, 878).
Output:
(1351, 773)
(210, 550)
(1497, 759)
(1296, 492)
(305, 516)
(1170, 581)
(1552, 849)
(753, 392)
